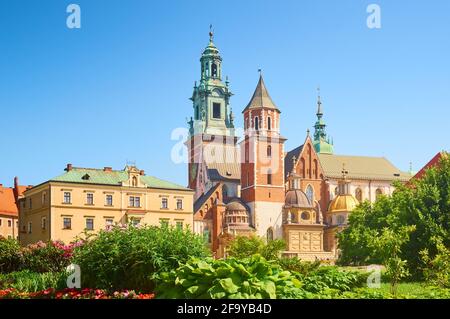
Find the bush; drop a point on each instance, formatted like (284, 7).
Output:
(128, 257)
(27, 281)
(298, 266)
(243, 247)
(11, 258)
(45, 257)
(250, 278)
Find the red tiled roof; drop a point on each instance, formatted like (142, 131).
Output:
(8, 202)
(434, 161)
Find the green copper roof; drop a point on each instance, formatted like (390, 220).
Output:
(113, 177)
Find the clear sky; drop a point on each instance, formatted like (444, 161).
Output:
(115, 89)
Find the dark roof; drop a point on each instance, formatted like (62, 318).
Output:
(288, 159)
(261, 98)
(202, 199)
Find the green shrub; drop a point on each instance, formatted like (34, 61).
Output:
(27, 281)
(298, 266)
(250, 278)
(128, 257)
(243, 247)
(11, 258)
(44, 257)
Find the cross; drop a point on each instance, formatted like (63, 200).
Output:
(211, 32)
(260, 72)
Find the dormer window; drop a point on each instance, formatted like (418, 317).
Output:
(86, 177)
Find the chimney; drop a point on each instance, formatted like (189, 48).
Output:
(68, 168)
(16, 182)
(1, 185)
(107, 169)
(141, 172)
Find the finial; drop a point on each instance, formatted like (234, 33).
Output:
(211, 34)
(294, 159)
(307, 132)
(260, 72)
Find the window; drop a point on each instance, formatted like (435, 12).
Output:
(135, 201)
(179, 204)
(340, 220)
(310, 194)
(269, 177)
(225, 191)
(89, 224)
(257, 123)
(44, 223)
(269, 234)
(135, 222)
(67, 199)
(90, 199)
(216, 111)
(207, 235)
(164, 222)
(67, 223)
(109, 223)
(44, 197)
(269, 151)
(358, 194)
(9, 223)
(109, 200)
(305, 216)
(164, 203)
(30, 226)
(269, 123)
(214, 70)
(179, 224)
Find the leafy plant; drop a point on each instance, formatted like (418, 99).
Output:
(437, 270)
(27, 281)
(243, 247)
(128, 257)
(11, 258)
(296, 265)
(253, 278)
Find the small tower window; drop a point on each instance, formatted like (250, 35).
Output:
(214, 70)
(216, 111)
(257, 123)
(269, 177)
(269, 123)
(310, 194)
(269, 151)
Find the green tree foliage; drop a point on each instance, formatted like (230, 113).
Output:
(11, 258)
(128, 257)
(423, 204)
(242, 247)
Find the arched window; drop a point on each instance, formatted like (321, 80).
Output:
(269, 123)
(358, 194)
(134, 181)
(269, 151)
(270, 234)
(214, 70)
(207, 68)
(310, 193)
(293, 217)
(225, 191)
(269, 177)
(378, 192)
(340, 220)
(257, 123)
(316, 168)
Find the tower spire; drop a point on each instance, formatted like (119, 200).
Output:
(322, 143)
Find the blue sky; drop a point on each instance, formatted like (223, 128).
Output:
(115, 89)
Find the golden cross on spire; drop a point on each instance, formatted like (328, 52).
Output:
(211, 34)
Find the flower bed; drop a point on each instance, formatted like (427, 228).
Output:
(70, 293)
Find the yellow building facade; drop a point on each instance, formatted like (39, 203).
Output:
(84, 199)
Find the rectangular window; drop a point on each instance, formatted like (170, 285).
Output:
(131, 204)
(135, 222)
(44, 198)
(216, 111)
(67, 223)
(179, 224)
(9, 223)
(67, 199)
(269, 179)
(109, 223)
(43, 223)
(164, 203)
(137, 201)
(90, 199)
(30, 228)
(109, 200)
(179, 204)
(89, 224)
(164, 222)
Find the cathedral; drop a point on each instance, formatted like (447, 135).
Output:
(251, 185)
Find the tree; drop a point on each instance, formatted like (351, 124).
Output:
(423, 204)
(242, 247)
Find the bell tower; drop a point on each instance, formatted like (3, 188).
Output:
(262, 163)
(211, 129)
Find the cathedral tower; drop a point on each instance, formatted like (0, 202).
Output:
(262, 163)
(322, 143)
(212, 142)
